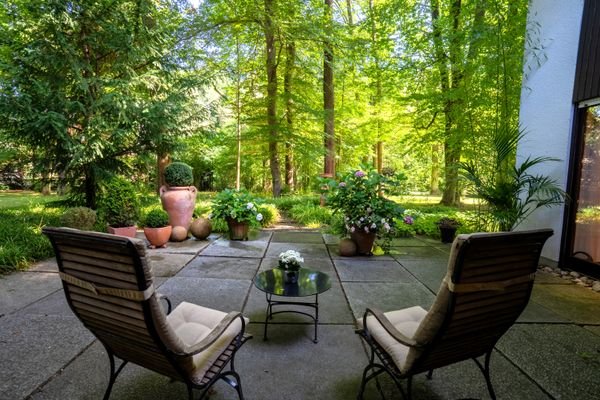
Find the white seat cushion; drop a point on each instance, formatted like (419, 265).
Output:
(191, 324)
(406, 321)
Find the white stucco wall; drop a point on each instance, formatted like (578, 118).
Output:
(546, 100)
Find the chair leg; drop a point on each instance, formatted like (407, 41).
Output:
(113, 374)
(190, 392)
(485, 370)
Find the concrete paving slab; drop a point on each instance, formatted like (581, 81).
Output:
(48, 265)
(577, 304)
(23, 288)
(221, 294)
(535, 312)
(413, 252)
(168, 264)
(236, 248)
(307, 250)
(34, 348)
(335, 255)
(331, 239)
(463, 380)
(594, 329)
(297, 237)
(53, 304)
(290, 367)
(333, 308)
(386, 296)
(430, 272)
(563, 359)
(221, 267)
(373, 271)
(188, 246)
(408, 242)
(316, 264)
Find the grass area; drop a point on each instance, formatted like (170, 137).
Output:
(23, 214)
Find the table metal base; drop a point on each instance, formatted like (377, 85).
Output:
(271, 303)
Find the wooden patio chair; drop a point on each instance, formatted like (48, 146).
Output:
(487, 286)
(108, 282)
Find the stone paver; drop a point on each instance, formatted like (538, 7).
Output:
(550, 353)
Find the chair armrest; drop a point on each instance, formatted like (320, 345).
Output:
(165, 298)
(387, 325)
(215, 334)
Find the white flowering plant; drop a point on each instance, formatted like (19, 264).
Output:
(237, 205)
(290, 260)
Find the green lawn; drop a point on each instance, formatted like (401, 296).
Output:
(12, 199)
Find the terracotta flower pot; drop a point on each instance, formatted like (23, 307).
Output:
(179, 203)
(237, 230)
(128, 231)
(158, 237)
(364, 241)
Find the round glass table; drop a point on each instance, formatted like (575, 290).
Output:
(310, 283)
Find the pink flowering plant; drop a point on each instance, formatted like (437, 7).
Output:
(359, 196)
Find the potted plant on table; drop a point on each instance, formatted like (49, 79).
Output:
(359, 197)
(290, 263)
(447, 227)
(118, 206)
(157, 228)
(178, 198)
(238, 209)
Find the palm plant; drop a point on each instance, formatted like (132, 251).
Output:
(512, 192)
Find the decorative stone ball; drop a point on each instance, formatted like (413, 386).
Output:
(201, 228)
(179, 234)
(347, 248)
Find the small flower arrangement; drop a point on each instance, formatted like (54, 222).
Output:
(290, 260)
(447, 222)
(236, 205)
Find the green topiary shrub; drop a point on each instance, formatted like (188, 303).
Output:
(156, 218)
(179, 174)
(119, 204)
(79, 218)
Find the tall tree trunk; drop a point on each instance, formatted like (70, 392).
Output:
(289, 105)
(434, 182)
(376, 103)
(238, 112)
(271, 64)
(90, 188)
(162, 160)
(328, 96)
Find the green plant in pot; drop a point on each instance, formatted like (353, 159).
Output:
(178, 198)
(157, 228)
(238, 209)
(447, 227)
(119, 206)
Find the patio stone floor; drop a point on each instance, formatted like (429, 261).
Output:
(552, 352)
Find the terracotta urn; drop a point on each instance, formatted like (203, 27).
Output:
(158, 237)
(364, 241)
(128, 231)
(201, 228)
(237, 230)
(179, 203)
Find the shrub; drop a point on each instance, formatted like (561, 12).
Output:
(156, 218)
(179, 174)
(285, 203)
(79, 218)
(118, 204)
(270, 214)
(238, 205)
(310, 215)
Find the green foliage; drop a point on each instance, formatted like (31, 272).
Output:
(237, 205)
(512, 192)
(179, 174)
(359, 198)
(119, 203)
(270, 214)
(447, 222)
(21, 240)
(311, 215)
(155, 218)
(285, 203)
(79, 218)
